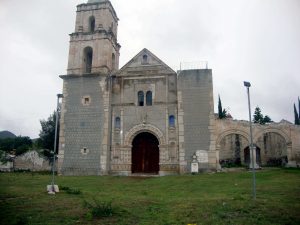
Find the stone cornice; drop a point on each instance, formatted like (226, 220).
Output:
(98, 6)
(70, 76)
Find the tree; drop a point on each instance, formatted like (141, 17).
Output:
(258, 117)
(299, 110)
(297, 117)
(267, 119)
(16, 146)
(46, 136)
(221, 112)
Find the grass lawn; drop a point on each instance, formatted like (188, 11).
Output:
(218, 198)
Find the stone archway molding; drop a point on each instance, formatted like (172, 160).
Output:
(272, 130)
(232, 131)
(137, 129)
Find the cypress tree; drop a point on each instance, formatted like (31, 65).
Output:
(297, 119)
(258, 117)
(221, 112)
(299, 109)
(219, 107)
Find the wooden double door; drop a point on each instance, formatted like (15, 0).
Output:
(145, 154)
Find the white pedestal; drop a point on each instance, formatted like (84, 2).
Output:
(194, 167)
(52, 189)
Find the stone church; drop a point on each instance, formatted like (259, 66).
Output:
(145, 118)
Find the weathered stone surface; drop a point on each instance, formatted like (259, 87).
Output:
(273, 141)
(83, 126)
(103, 40)
(31, 161)
(196, 105)
(105, 108)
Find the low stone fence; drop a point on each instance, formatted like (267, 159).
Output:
(30, 161)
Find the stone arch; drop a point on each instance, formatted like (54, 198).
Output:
(232, 131)
(140, 128)
(275, 145)
(230, 146)
(272, 130)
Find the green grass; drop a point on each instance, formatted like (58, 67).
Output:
(219, 198)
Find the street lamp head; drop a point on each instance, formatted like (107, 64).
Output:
(60, 95)
(247, 84)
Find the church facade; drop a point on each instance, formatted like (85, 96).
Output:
(144, 118)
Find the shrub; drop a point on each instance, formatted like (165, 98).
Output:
(72, 191)
(228, 163)
(281, 161)
(98, 209)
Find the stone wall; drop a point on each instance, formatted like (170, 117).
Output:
(84, 126)
(144, 73)
(6, 167)
(196, 121)
(31, 161)
(274, 141)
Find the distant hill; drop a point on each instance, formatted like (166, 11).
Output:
(6, 134)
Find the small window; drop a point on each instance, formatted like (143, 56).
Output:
(171, 121)
(86, 100)
(84, 151)
(117, 123)
(145, 59)
(92, 24)
(140, 98)
(149, 98)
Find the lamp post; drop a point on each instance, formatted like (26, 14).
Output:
(55, 139)
(248, 85)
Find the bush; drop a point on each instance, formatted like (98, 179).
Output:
(228, 163)
(22, 149)
(72, 191)
(281, 161)
(99, 209)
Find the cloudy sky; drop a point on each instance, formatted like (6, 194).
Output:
(253, 40)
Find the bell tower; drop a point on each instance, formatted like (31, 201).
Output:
(85, 114)
(93, 46)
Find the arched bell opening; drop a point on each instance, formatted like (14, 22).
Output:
(88, 59)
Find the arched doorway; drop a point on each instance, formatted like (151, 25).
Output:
(231, 148)
(274, 148)
(145, 154)
(247, 155)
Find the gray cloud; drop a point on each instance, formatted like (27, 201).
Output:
(242, 40)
